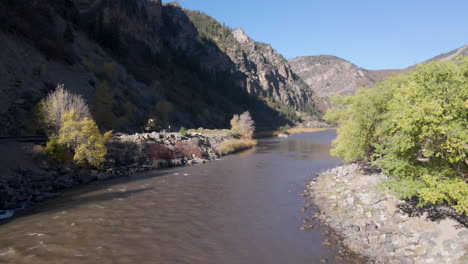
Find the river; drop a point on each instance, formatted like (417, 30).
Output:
(244, 208)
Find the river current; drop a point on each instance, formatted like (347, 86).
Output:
(244, 208)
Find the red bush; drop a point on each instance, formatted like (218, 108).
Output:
(160, 152)
(187, 149)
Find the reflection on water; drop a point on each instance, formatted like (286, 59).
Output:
(241, 209)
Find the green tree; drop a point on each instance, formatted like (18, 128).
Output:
(55, 150)
(414, 127)
(358, 117)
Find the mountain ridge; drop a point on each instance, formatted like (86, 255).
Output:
(135, 60)
(327, 75)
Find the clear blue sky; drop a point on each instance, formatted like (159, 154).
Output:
(373, 34)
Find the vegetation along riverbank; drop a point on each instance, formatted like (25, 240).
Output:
(412, 131)
(77, 153)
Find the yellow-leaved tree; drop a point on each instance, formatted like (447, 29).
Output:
(82, 136)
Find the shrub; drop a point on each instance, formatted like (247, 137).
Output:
(242, 125)
(453, 191)
(234, 145)
(55, 150)
(82, 136)
(188, 149)
(57, 103)
(405, 188)
(414, 127)
(284, 129)
(183, 131)
(158, 151)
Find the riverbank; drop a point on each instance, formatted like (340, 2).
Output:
(291, 131)
(264, 133)
(373, 222)
(35, 177)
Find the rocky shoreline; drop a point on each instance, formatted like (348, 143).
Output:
(373, 222)
(127, 155)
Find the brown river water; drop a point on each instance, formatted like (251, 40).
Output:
(244, 208)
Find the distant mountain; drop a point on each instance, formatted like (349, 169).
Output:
(327, 75)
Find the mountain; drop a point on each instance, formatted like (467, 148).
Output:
(140, 59)
(327, 75)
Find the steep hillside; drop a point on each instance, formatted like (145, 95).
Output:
(263, 71)
(134, 60)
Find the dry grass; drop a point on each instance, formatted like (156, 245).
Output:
(234, 145)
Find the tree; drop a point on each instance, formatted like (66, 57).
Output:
(414, 127)
(82, 136)
(59, 102)
(358, 117)
(243, 125)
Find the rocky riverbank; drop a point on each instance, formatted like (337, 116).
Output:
(39, 179)
(373, 222)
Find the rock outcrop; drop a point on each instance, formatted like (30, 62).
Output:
(258, 68)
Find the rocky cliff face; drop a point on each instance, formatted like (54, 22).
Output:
(260, 70)
(268, 74)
